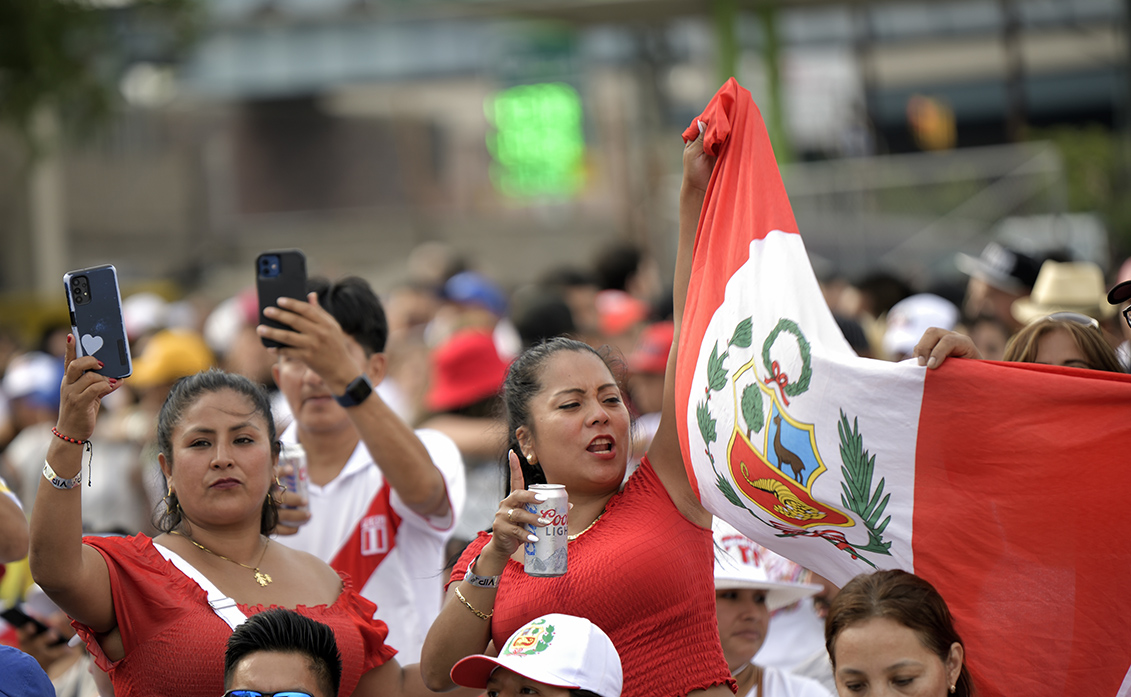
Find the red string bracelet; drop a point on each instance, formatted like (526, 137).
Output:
(89, 447)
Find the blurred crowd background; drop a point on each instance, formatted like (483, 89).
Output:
(502, 171)
(474, 159)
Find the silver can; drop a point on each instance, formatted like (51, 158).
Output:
(547, 556)
(298, 480)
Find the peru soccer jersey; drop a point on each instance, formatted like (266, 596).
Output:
(395, 556)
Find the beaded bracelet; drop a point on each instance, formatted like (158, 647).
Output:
(478, 614)
(87, 445)
(76, 441)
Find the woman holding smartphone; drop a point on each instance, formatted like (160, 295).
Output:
(156, 613)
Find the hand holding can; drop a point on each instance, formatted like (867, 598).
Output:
(293, 475)
(515, 525)
(548, 556)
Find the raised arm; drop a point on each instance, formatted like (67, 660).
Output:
(318, 341)
(664, 453)
(72, 574)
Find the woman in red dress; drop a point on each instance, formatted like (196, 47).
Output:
(147, 623)
(640, 558)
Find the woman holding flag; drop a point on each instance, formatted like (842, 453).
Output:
(567, 424)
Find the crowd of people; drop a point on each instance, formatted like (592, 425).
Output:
(148, 542)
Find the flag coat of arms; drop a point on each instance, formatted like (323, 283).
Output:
(1003, 484)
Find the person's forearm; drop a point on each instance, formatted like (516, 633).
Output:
(479, 438)
(13, 531)
(403, 459)
(458, 631)
(690, 207)
(55, 554)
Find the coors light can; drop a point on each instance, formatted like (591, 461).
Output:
(547, 556)
(294, 455)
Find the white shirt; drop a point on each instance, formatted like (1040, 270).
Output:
(407, 585)
(778, 683)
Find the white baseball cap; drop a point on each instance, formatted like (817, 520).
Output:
(909, 318)
(742, 563)
(558, 650)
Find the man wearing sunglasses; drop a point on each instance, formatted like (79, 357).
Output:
(280, 653)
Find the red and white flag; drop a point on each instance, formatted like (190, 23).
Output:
(1003, 484)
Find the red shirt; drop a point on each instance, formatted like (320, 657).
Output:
(175, 643)
(645, 575)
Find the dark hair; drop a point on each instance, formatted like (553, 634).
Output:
(356, 307)
(524, 381)
(1025, 343)
(904, 598)
(285, 631)
(183, 395)
(617, 264)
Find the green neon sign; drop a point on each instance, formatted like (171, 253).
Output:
(537, 144)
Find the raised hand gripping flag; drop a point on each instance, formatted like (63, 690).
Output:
(1005, 485)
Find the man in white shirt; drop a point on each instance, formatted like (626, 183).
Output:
(383, 499)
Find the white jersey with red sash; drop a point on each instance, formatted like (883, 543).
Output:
(360, 526)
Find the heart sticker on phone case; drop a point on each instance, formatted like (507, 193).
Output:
(91, 344)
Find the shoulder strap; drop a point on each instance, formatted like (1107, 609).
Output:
(224, 607)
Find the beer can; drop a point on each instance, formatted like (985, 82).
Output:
(547, 556)
(294, 455)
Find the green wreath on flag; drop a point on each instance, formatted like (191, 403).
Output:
(859, 496)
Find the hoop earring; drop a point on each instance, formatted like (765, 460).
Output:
(171, 502)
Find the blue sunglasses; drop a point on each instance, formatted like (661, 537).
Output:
(253, 693)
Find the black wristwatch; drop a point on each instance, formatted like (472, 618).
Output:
(357, 392)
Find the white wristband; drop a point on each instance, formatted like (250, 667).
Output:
(477, 580)
(57, 481)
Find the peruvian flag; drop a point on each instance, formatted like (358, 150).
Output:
(1003, 484)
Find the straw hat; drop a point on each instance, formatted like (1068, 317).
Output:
(1074, 286)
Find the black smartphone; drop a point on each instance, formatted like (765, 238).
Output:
(279, 274)
(96, 318)
(17, 618)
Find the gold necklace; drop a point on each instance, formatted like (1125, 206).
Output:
(260, 577)
(571, 538)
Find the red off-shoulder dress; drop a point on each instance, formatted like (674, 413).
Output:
(174, 642)
(645, 575)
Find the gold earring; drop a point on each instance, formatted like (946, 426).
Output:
(953, 688)
(532, 459)
(171, 502)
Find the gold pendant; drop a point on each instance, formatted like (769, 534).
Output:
(262, 578)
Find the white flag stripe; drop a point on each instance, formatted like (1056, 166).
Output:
(778, 283)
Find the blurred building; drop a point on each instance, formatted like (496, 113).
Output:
(357, 129)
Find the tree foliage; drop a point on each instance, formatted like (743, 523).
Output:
(70, 54)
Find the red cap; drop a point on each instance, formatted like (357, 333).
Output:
(618, 311)
(651, 353)
(465, 369)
